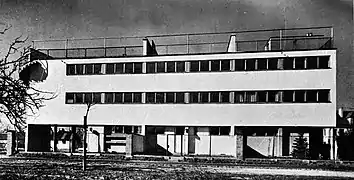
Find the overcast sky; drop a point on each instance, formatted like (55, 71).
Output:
(59, 19)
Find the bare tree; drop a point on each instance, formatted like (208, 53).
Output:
(18, 97)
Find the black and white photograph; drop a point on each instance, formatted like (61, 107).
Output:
(176, 89)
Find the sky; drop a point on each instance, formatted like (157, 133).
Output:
(60, 19)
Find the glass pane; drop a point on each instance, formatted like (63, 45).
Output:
(215, 65)
(180, 97)
(225, 97)
(273, 64)
(311, 62)
(311, 96)
(69, 98)
(97, 98)
(225, 65)
(300, 96)
(170, 97)
(88, 68)
(262, 96)
(323, 96)
(70, 69)
(204, 97)
(110, 68)
(97, 68)
(239, 97)
(128, 97)
(225, 130)
(79, 69)
(299, 63)
(194, 66)
(150, 97)
(251, 97)
(262, 64)
(271, 96)
(118, 97)
(119, 68)
(170, 66)
(160, 97)
(180, 66)
(204, 65)
(129, 68)
(137, 97)
(214, 97)
(288, 96)
(239, 65)
(288, 63)
(214, 131)
(323, 62)
(79, 98)
(250, 64)
(193, 97)
(88, 97)
(138, 68)
(150, 67)
(161, 67)
(108, 98)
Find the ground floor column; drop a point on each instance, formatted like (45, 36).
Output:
(241, 142)
(333, 143)
(55, 138)
(72, 143)
(285, 142)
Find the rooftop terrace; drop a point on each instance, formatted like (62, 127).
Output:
(313, 38)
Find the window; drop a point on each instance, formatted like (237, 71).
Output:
(262, 96)
(288, 63)
(138, 68)
(299, 63)
(273, 96)
(251, 97)
(150, 97)
(214, 97)
(129, 68)
(128, 97)
(223, 130)
(250, 64)
(288, 96)
(204, 97)
(225, 65)
(79, 98)
(88, 97)
(194, 66)
(179, 97)
(239, 65)
(239, 97)
(160, 97)
(225, 97)
(88, 68)
(180, 67)
(79, 69)
(180, 130)
(323, 62)
(323, 96)
(97, 98)
(118, 97)
(262, 64)
(119, 68)
(311, 63)
(69, 98)
(70, 69)
(160, 67)
(204, 66)
(193, 97)
(273, 64)
(128, 129)
(215, 65)
(150, 67)
(171, 66)
(137, 97)
(300, 96)
(311, 96)
(136, 129)
(110, 68)
(170, 97)
(97, 68)
(108, 98)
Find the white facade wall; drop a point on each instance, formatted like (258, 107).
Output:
(286, 114)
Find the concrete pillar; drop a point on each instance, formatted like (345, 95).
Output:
(129, 145)
(333, 143)
(11, 143)
(191, 140)
(315, 142)
(241, 143)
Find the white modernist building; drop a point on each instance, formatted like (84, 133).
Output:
(225, 96)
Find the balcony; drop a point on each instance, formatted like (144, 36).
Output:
(181, 44)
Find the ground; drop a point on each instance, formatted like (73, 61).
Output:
(56, 168)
